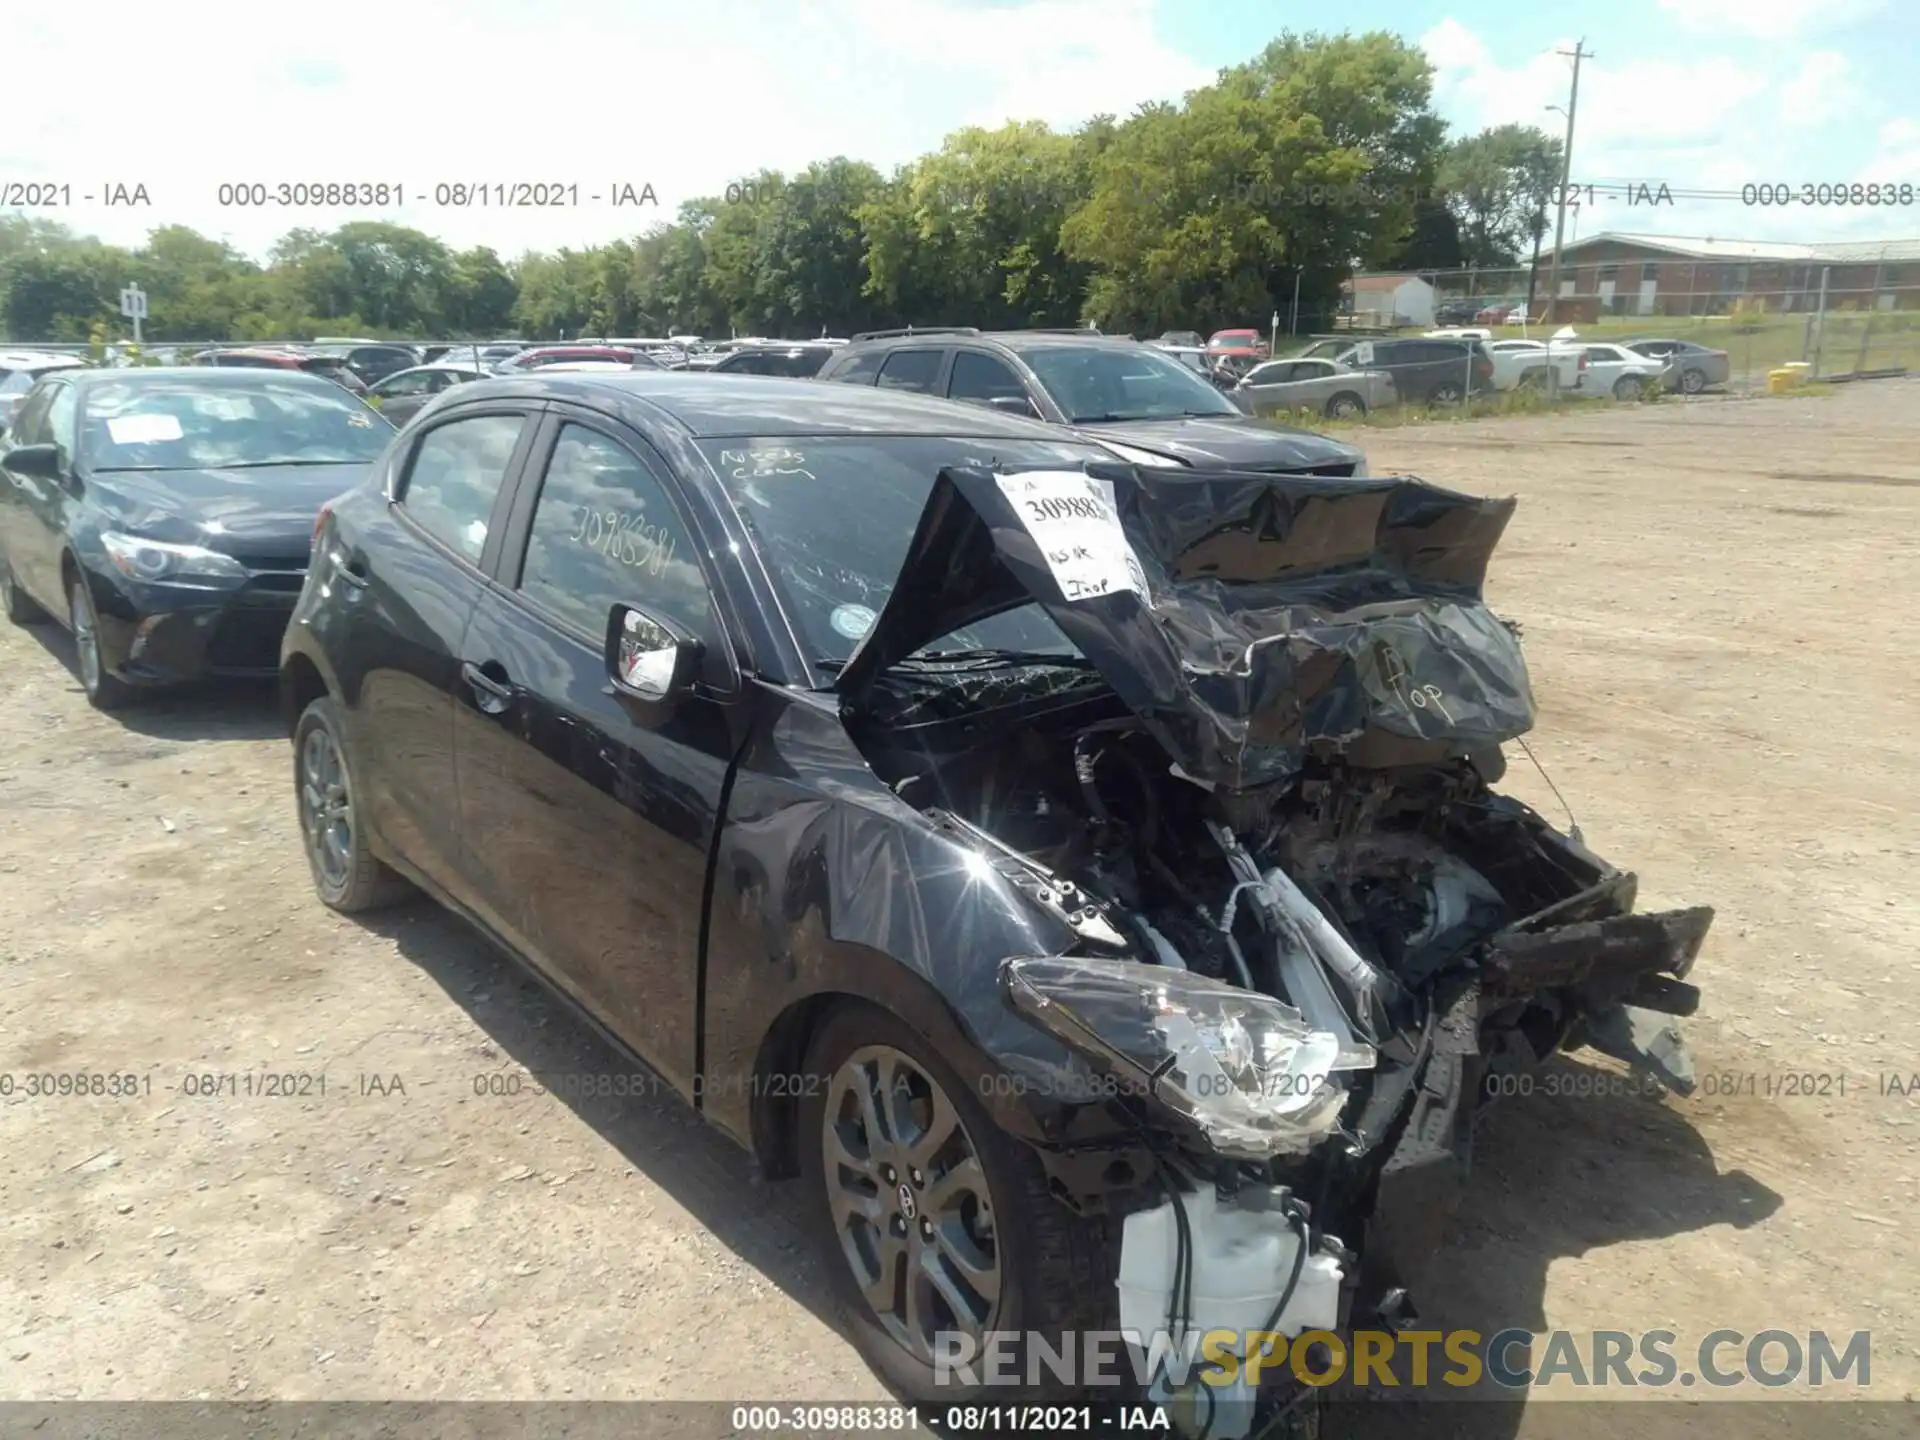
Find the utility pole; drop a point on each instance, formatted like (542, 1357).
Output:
(1577, 54)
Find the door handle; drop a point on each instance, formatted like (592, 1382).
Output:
(493, 696)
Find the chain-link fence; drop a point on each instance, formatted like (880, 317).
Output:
(1856, 316)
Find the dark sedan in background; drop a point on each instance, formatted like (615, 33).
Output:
(403, 394)
(796, 362)
(1691, 368)
(165, 515)
(1135, 399)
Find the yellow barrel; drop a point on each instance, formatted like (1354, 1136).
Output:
(1780, 381)
(1800, 370)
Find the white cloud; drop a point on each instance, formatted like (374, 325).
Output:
(1766, 19)
(1822, 88)
(187, 96)
(1706, 124)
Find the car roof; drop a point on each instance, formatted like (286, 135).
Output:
(36, 359)
(713, 406)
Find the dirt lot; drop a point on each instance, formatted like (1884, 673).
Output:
(1716, 598)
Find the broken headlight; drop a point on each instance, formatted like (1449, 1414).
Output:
(1243, 1068)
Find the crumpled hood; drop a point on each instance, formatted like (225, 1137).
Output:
(1233, 442)
(1249, 620)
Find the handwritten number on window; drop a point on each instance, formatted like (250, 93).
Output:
(626, 539)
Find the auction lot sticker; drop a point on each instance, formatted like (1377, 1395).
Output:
(1073, 519)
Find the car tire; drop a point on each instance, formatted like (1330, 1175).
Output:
(1445, 393)
(1692, 382)
(104, 690)
(18, 606)
(347, 875)
(1054, 1272)
(1626, 388)
(1345, 406)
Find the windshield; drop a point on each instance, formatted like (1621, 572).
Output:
(184, 425)
(1096, 383)
(833, 516)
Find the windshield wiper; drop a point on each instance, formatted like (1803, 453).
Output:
(983, 658)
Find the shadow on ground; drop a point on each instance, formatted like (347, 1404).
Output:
(1555, 1176)
(209, 710)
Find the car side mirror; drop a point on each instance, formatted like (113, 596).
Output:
(40, 461)
(1014, 405)
(649, 659)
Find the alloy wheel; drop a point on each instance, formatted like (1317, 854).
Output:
(909, 1199)
(1692, 381)
(86, 638)
(1446, 395)
(326, 808)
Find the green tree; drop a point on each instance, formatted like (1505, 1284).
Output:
(1301, 163)
(1497, 184)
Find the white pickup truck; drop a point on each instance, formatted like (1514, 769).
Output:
(1535, 364)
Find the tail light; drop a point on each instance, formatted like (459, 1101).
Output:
(1582, 363)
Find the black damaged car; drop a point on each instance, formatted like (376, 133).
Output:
(1086, 879)
(164, 515)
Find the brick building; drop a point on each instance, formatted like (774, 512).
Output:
(1616, 274)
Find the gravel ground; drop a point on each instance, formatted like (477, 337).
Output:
(1715, 597)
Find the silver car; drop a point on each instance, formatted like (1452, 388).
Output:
(1332, 389)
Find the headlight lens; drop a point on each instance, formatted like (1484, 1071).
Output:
(1244, 1068)
(159, 561)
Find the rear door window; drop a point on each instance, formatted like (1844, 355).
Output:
(455, 478)
(911, 370)
(859, 369)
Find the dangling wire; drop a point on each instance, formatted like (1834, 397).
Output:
(1573, 825)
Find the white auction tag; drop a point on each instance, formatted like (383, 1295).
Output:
(144, 429)
(1073, 519)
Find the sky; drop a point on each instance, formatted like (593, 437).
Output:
(610, 97)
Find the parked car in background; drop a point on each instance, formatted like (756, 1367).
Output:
(1135, 399)
(1524, 364)
(403, 394)
(20, 369)
(543, 355)
(485, 356)
(371, 360)
(1221, 373)
(328, 365)
(1326, 386)
(1608, 369)
(1455, 312)
(1425, 372)
(1691, 367)
(1182, 339)
(797, 362)
(1495, 312)
(1238, 344)
(164, 515)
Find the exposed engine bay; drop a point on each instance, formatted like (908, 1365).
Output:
(1258, 795)
(1442, 933)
